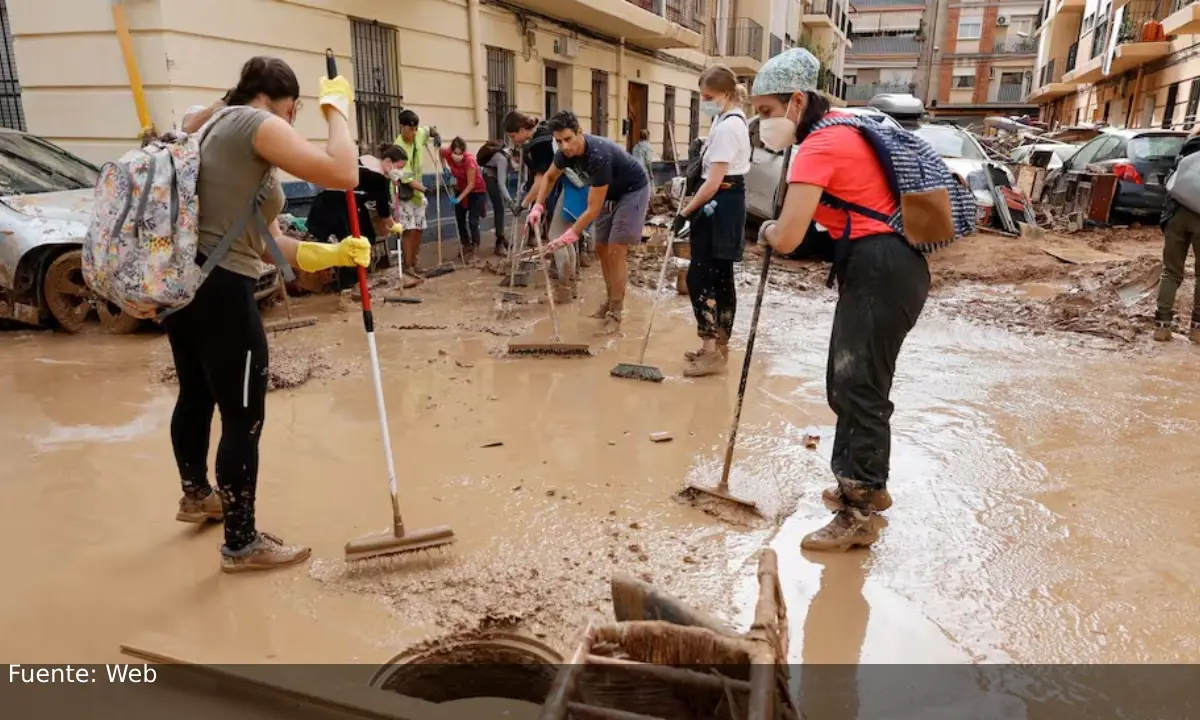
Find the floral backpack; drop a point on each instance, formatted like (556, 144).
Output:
(140, 248)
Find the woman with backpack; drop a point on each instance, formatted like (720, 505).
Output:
(217, 340)
(718, 232)
(494, 161)
(470, 202)
(882, 284)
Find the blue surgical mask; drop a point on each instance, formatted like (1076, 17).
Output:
(711, 108)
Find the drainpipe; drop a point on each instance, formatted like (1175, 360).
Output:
(478, 98)
(622, 86)
(722, 28)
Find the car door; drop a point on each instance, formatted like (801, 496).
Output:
(1057, 179)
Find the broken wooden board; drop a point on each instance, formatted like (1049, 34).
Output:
(1081, 255)
(634, 600)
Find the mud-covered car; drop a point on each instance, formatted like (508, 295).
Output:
(45, 206)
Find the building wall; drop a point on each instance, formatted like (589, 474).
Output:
(970, 56)
(76, 90)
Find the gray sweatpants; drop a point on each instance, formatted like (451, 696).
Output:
(566, 260)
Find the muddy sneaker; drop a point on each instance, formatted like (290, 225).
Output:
(879, 500)
(562, 294)
(1162, 332)
(693, 354)
(601, 313)
(611, 326)
(848, 529)
(265, 553)
(200, 510)
(706, 363)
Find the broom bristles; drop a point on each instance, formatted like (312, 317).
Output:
(629, 371)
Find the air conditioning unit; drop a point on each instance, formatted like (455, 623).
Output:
(1002, 20)
(567, 47)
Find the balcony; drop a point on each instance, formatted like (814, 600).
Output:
(650, 24)
(831, 83)
(1011, 93)
(1184, 18)
(1134, 46)
(862, 94)
(820, 13)
(1074, 7)
(743, 51)
(1078, 73)
(1050, 82)
(885, 45)
(1015, 46)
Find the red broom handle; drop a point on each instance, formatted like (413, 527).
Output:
(355, 230)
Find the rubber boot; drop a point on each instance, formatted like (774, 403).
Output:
(879, 499)
(612, 319)
(851, 527)
(267, 552)
(200, 510)
(1162, 326)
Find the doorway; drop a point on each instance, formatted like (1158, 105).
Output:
(637, 113)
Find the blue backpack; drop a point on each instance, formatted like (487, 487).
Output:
(938, 208)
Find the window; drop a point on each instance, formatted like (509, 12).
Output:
(668, 153)
(600, 103)
(375, 52)
(551, 82)
(501, 89)
(12, 115)
(694, 118)
(962, 82)
(970, 29)
(1155, 147)
(1189, 119)
(1169, 112)
(950, 141)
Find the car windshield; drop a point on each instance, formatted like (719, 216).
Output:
(950, 142)
(1155, 147)
(1065, 152)
(30, 166)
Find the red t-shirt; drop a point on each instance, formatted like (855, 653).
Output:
(840, 160)
(459, 171)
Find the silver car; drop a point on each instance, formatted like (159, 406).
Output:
(46, 198)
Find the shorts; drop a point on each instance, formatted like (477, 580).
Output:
(411, 215)
(621, 222)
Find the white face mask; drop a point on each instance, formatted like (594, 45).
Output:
(711, 108)
(394, 175)
(778, 133)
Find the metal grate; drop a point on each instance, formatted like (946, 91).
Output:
(694, 118)
(12, 114)
(1189, 120)
(1169, 112)
(378, 99)
(668, 122)
(501, 89)
(600, 103)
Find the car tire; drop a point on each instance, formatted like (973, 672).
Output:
(74, 306)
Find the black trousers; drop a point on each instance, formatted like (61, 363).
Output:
(497, 198)
(467, 214)
(714, 299)
(220, 351)
(882, 286)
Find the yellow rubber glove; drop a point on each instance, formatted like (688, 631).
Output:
(336, 93)
(314, 257)
(397, 229)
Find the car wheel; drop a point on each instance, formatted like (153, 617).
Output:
(75, 306)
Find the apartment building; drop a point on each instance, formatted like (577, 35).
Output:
(1128, 63)
(887, 42)
(985, 57)
(747, 33)
(622, 65)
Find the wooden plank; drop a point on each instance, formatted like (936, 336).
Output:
(1081, 255)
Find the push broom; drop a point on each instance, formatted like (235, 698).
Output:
(555, 346)
(398, 539)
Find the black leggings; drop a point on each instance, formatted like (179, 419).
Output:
(881, 291)
(220, 351)
(497, 197)
(467, 214)
(714, 299)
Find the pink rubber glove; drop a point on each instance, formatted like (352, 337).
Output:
(535, 214)
(570, 237)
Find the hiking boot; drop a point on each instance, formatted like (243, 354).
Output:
(693, 354)
(878, 499)
(469, 255)
(200, 510)
(267, 552)
(602, 312)
(705, 363)
(849, 528)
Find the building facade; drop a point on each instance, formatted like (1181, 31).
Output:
(621, 65)
(984, 57)
(1128, 63)
(888, 39)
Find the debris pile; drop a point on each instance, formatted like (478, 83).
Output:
(289, 367)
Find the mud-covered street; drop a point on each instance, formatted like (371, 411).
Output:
(1031, 465)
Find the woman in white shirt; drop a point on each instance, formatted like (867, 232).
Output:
(717, 213)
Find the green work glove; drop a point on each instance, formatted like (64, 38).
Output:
(314, 257)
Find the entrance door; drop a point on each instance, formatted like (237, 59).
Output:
(638, 113)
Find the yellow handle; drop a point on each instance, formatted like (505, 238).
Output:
(135, 77)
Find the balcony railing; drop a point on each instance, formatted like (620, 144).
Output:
(745, 39)
(863, 93)
(1015, 46)
(820, 7)
(831, 83)
(776, 45)
(1100, 38)
(859, 4)
(684, 12)
(1047, 74)
(885, 45)
(1136, 14)
(1072, 55)
(1178, 5)
(1011, 93)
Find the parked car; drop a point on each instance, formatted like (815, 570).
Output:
(1060, 153)
(1141, 160)
(46, 198)
(968, 161)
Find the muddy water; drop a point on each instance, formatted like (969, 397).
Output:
(1028, 474)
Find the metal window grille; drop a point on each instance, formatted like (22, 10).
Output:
(378, 98)
(1189, 120)
(776, 45)
(551, 82)
(12, 114)
(501, 89)
(1169, 112)
(600, 103)
(668, 122)
(694, 118)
